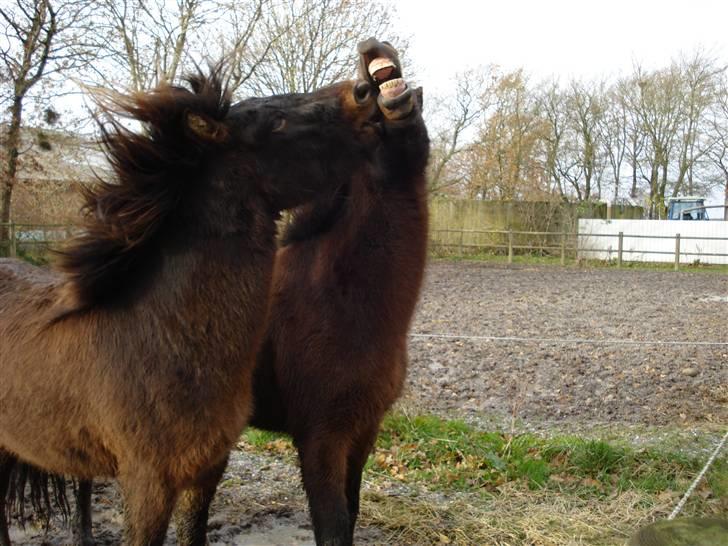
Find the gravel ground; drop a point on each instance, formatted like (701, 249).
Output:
(537, 383)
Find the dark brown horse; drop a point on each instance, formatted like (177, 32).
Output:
(135, 360)
(345, 286)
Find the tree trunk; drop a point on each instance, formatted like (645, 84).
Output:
(663, 189)
(11, 166)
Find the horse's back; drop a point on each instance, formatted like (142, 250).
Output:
(16, 276)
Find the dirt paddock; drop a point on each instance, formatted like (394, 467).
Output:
(539, 378)
(616, 377)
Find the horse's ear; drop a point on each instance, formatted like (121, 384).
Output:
(205, 128)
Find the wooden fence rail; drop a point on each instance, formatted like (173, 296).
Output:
(562, 244)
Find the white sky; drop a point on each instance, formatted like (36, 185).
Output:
(558, 37)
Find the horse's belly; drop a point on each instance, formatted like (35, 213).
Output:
(60, 452)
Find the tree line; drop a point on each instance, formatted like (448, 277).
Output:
(640, 138)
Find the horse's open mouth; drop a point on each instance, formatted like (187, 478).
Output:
(379, 63)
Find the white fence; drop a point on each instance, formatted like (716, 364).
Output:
(678, 241)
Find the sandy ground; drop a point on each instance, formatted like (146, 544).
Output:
(534, 381)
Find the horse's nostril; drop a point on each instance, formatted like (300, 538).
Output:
(362, 91)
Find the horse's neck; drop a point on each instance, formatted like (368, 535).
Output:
(386, 217)
(212, 273)
(213, 293)
(382, 238)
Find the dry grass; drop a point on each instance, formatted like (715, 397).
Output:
(513, 516)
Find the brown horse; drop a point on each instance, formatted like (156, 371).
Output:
(135, 360)
(345, 286)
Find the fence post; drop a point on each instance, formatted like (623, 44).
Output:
(510, 246)
(461, 243)
(563, 248)
(13, 243)
(620, 248)
(677, 251)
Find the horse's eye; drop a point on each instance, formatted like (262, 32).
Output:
(361, 91)
(279, 124)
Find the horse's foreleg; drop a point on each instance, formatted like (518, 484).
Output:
(356, 460)
(7, 462)
(148, 505)
(193, 508)
(82, 528)
(323, 466)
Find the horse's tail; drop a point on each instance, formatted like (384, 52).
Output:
(45, 494)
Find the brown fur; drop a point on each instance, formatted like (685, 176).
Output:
(135, 360)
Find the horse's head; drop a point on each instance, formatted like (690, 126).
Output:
(296, 146)
(399, 158)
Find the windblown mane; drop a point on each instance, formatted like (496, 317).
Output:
(153, 168)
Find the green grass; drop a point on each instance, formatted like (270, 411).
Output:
(36, 258)
(39, 257)
(450, 455)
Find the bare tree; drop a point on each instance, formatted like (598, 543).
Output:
(146, 42)
(241, 43)
(552, 108)
(718, 149)
(40, 39)
(699, 78)
(658, 107)
(614, 136)
(585, 113)
(306, 44)
(626, 94)
(456, 117)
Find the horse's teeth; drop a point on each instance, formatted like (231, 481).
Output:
(391, 83)
(379, 63)
(393, 88)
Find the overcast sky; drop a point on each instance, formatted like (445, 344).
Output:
(558, 37)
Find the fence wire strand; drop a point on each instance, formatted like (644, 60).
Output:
(694, 485)
(568, 341)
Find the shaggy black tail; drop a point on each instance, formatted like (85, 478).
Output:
(45, 494)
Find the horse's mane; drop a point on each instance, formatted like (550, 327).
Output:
(153, 169)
